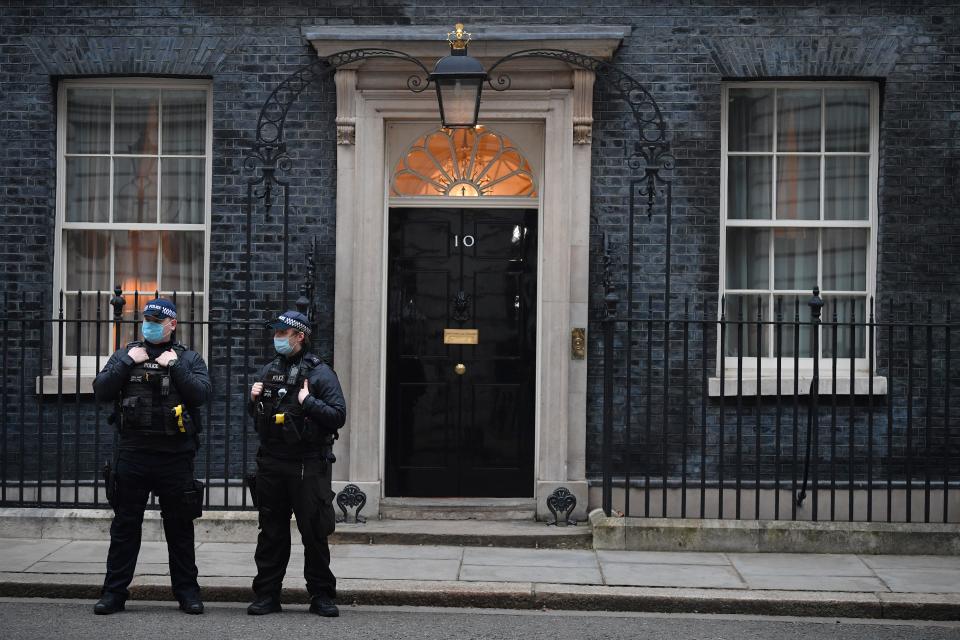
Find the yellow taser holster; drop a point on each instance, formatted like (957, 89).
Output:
(178, 412)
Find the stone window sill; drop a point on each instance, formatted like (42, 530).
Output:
(768, 385)
(49, 385)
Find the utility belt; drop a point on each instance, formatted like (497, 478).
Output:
(138, 414)
(318, 464)
(187, 503)
(290, 427)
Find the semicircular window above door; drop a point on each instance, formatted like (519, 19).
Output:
(468, 163)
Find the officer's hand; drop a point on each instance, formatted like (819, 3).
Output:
(138, 354)
(304, 392)
(256, 390)
(167, 358)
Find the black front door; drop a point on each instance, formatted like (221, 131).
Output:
(460, 416)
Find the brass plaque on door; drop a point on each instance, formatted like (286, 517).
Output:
(461, 336)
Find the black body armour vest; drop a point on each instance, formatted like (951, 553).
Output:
(278, 413)
(151, 405)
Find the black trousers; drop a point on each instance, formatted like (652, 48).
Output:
(166, 475)
(301, 488)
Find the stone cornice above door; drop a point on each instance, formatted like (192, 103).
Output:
(489, 44)
(429, 43)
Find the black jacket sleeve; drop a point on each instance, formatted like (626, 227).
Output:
(190, 376)
(258, 377)
(109, 382)
(325, 406)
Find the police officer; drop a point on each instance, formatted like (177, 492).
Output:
(298, 407)
(157, 385)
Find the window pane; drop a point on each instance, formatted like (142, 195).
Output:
(845, 259)
(87, 260)
(794, 258)
(748, 258)
(798, 188)
(848, 329)
(136, 261)
(795, 337)
(136, 119)
(182, 261)
(750, 120)
(846, 194)
(742, 328)
(87, 190)
(86, 332)
(88, 121)
(749, 182)
(182, 182)
(135, 190)
(798, 120)
(184, 122)
(848, 119)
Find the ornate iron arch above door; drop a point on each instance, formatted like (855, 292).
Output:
(649, 159)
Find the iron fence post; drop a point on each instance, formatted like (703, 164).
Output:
(610, 302)
(813, 418)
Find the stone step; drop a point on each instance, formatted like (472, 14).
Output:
(241, 526)
(458, 509)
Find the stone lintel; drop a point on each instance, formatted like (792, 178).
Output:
(489, 43)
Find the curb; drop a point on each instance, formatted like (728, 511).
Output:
(891, 606)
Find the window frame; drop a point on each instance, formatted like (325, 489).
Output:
(727, 365)
(88, 362)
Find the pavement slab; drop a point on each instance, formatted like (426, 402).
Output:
(95, 568)
(806, 564)
(17, 554)
(96, 551)
(500, 573)
(426, 552)
(663, 557)
(530, 558)
(864, 584)
(893, 586)
(921, 580)
(395, 568)
(911, 562)
(671, 575)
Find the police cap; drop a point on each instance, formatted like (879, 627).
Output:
(291, 319)
(160, 308)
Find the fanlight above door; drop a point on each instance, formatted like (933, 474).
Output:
(466, 163)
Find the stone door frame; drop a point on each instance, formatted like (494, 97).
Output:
(370, 97)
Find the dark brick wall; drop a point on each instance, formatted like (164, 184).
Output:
(680, 50)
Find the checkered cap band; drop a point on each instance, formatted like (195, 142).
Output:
(296, 324)
(160, 307)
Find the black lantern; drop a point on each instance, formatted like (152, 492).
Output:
(459, 80)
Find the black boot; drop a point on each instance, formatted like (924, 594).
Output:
(109, 603)
(265, 605)
(323, 606)
(192, 605)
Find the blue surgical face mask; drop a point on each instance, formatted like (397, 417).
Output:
(152, 332)
(282, 345)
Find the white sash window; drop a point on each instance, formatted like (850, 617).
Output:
(133, 205)
(798, 210)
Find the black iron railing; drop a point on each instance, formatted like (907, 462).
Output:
(843, 415)
(55, 437)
